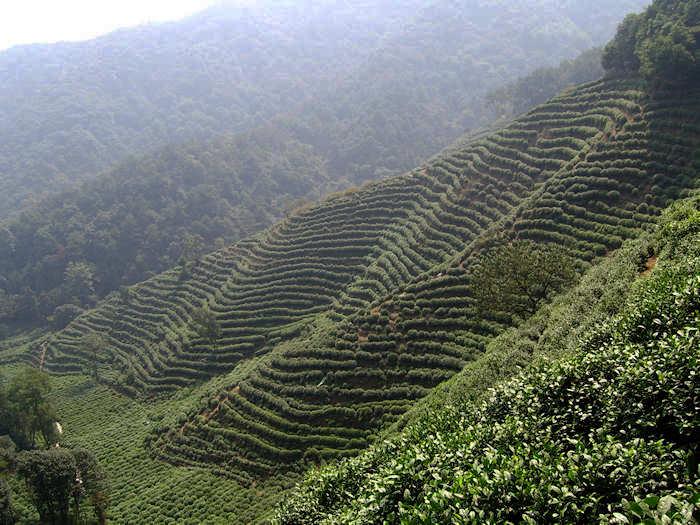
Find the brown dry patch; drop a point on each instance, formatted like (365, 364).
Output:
(393, 317)
(362, 336)
(209, 414)
(42, 357)
(544, 134)
(375, 311)
(649, 265)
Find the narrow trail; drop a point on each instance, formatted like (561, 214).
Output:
(42, 357)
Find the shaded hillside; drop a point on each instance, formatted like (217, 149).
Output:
(544, 83)
(362, 304)
(144, 217)
(70, 110)
(368, 83)
(425, 86)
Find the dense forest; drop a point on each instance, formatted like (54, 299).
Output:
(146, 216)
(419, 90)
(506, 333)
(375, 85)
(69, 111)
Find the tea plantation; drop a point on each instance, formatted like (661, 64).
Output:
(335, 321)
(343, 367)
(607, 431)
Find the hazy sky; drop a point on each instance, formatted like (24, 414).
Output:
(31, 21)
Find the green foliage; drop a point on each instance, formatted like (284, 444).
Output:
(337, 320)
(145, 217)
(567, 441)
(90, 482)
(61, 480)
(347, 312)
(517, 277)
(72, 110)
(50, 476)
(95, 346)
(660, 44)
(206, 324)
(373, 99)
(544, 83)
(63, 315)
(7, 514)
(79, 282)
(25, 409)
(620, 53)
(680, 508)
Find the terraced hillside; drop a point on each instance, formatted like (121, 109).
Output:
(341, 255)
(585, 413)
(362, 304)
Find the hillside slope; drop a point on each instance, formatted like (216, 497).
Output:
(607, 433)
(360, 305)
(146, 489)
(70, 110)
(138, 220)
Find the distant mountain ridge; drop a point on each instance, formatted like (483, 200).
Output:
(68, 111)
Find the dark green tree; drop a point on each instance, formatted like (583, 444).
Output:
(79, 283)
(94, 345)
(660, 44)
(668, 55)
(61, 480)
(192, 248)
(620, 55)
(91, 483)
(7, 461)
(27, 411)
(7, 515)
(63, 315)
(205, 324)
(8, 452)
(516, 278)
(50, 476)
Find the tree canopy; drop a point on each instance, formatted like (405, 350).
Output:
(25, 409)
(60, 480)
(515, 278)
(660, 44)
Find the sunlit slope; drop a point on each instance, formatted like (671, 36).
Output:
(326, 394)
(371, 289)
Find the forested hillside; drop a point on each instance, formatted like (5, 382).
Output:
(421, 88)
(375, 75)
(68, 111)
(146, 216)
